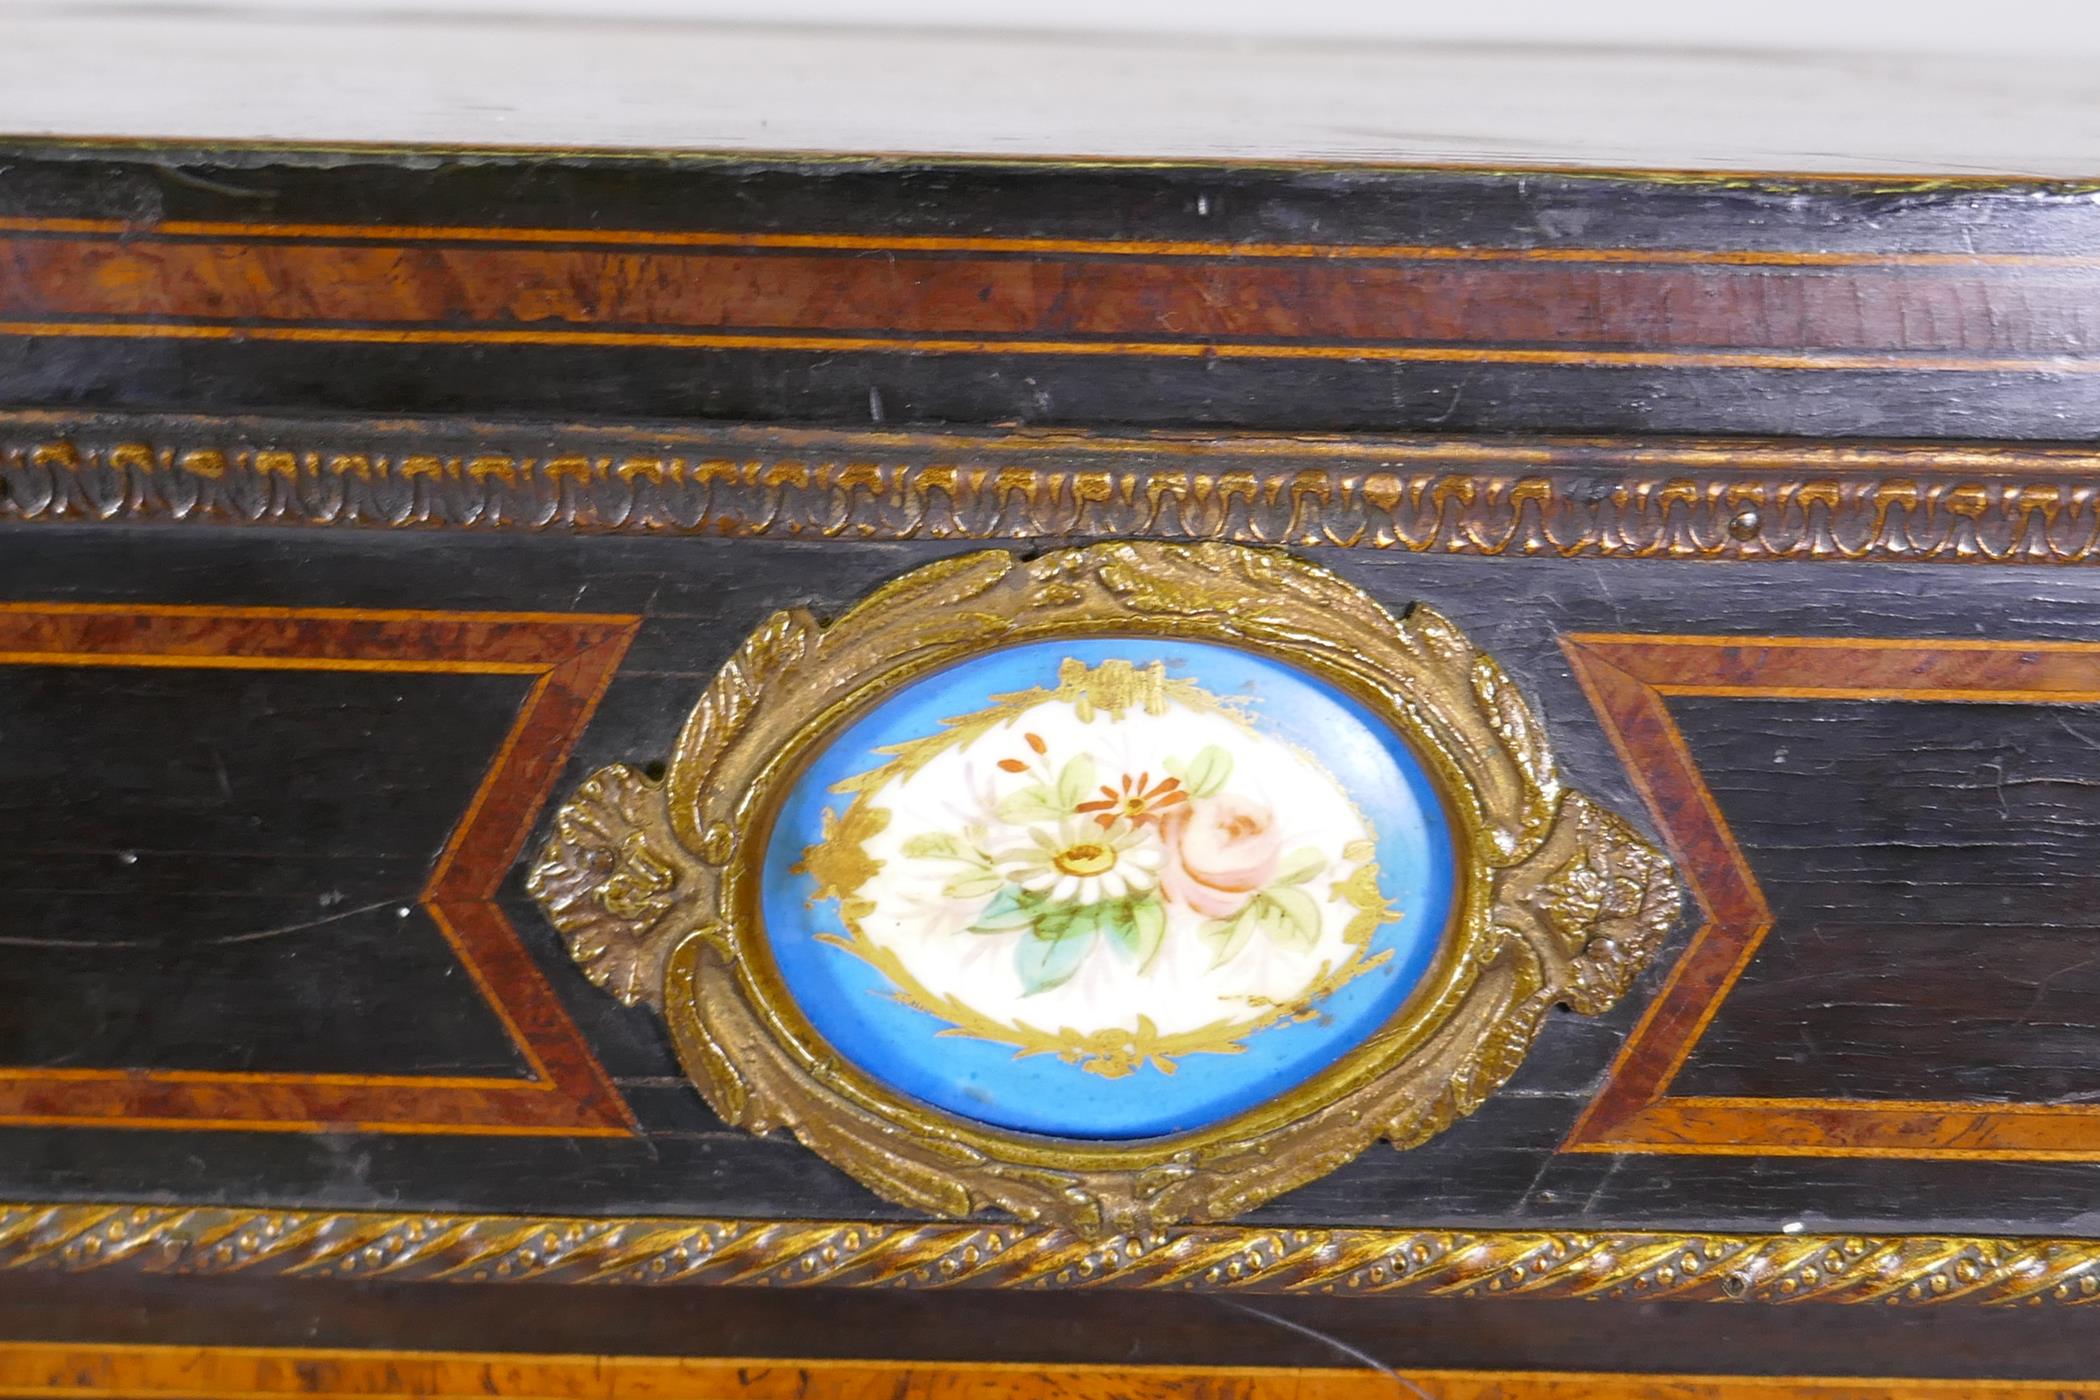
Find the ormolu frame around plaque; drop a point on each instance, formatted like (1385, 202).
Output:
(654, 884)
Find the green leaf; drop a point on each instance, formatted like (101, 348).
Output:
(1052, 920)
(1014, 908)
(937, 845)
(1045, 963)
(973, 885)
(1117, 922)
(1300, 865)
(1135, 927)
(1227, 936)
(1034, 803)
(1289, 915)
(1076, 781)
(1208, 771)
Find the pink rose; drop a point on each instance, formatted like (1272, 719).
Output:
(1220, 850)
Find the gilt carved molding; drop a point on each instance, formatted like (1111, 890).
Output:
(1610, 498)
(1614, 1266)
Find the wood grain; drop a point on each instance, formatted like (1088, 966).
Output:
(1928, 941)
(1581, 306)
(885, 293)
(569, 660)
(1631, 678)
(28, 1369)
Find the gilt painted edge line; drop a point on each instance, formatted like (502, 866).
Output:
(178, 149)
(1745, 500)
(1630, 1266)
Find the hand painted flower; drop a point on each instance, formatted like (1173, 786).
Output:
(1080, 863)
(1220, 851)
(1138, 801)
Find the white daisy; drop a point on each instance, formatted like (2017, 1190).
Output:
(1081, 863)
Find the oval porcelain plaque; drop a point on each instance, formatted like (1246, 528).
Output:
(1115, 887)
(1107, 888)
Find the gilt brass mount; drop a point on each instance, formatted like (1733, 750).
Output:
(656, 885)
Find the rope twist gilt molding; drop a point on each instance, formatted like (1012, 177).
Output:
(1691, 500)
(1902, 1270)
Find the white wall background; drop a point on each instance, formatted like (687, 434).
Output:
(1928, 87)
(2040, 28)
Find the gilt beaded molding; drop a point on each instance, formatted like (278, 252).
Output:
(1614, 1266)
(1555, 497)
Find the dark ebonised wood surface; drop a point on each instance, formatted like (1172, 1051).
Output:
(228, 872)
(896, 292)
(1923, 862)
(1148, 1329)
